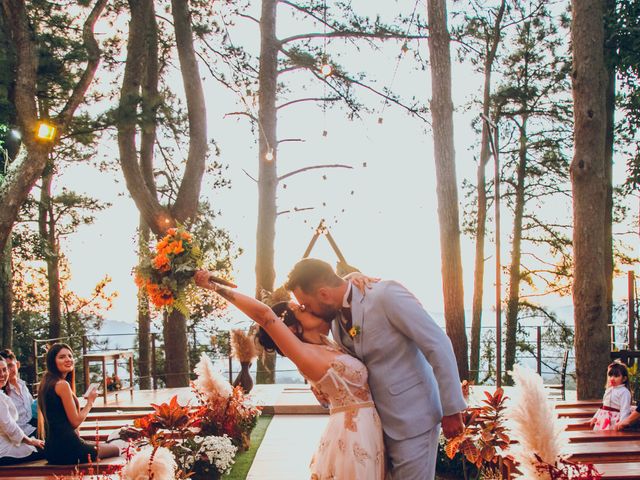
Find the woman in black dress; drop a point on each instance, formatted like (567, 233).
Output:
(63, 415)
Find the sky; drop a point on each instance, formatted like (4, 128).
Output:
(383, 215)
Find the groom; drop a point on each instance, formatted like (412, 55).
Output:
(413, 373)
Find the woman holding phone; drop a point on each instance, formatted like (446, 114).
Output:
(62, 413)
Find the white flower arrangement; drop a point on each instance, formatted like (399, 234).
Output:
(219, 451)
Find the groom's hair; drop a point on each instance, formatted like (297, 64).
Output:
(310, 273)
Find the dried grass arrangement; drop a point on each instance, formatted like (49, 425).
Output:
(243, 346)
(540, 433)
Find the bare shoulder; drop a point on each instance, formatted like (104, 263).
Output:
(62, 386)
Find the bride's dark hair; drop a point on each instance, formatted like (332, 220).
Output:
(282, 310)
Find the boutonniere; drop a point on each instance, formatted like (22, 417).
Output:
(354, 331)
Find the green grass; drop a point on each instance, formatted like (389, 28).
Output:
(245, 459)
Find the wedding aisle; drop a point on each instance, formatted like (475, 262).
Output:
(287, 447)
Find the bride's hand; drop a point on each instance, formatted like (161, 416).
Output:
(201, 279)
(361, 281)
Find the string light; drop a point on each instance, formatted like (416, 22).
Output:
(326, 70)
(269, 155)
(45, 131)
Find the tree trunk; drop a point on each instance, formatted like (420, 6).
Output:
(6, 295)
(442, 113)
(610, 53)
(51, 249)
(588, 180)
(177, 354)
(25, 170)
(144, 318)
(268, 178)
(481, 221)
(513, 301)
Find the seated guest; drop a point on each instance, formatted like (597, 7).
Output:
(15, 445)
(16, 389)
(62, 413)
(630, 420)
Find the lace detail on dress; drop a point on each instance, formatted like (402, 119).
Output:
(351, 447)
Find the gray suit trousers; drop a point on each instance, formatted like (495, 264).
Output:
(414, 458)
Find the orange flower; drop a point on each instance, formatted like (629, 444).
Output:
(161, 262)
(185, 236)
(140, 281)
(176, 247)
(172, 231)
(162, 244)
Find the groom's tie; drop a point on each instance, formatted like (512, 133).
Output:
(346, 318)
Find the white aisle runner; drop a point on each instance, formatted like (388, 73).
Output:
(287, 447)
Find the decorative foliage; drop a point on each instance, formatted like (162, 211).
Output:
(114, 383)
(243, 346)
(539, 433)
(210, 384)
(151, 463)
(566, 470)
(484, 438)
(168, 274)
(535, 423)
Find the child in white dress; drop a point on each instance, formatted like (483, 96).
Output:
(616, 403)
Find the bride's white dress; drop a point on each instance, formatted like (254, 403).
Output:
(351, 447)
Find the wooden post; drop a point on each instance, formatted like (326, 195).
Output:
(631, 314)
(230, 359)
(35, 362)
(539, 348)
(85, 375)
(153, 361)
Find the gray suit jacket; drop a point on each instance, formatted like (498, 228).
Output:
(413, 373)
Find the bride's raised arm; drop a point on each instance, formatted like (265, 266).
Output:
(297, 351)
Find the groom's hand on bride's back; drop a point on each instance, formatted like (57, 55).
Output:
(452, 425)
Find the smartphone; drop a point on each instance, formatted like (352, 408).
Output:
(93, 386)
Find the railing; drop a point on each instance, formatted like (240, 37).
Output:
(544, 357)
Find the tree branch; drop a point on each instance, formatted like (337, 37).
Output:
(352, 34)
(313, 167)
(310, 99)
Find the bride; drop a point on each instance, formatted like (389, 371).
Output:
(351, 446)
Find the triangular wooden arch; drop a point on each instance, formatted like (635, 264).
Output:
(342, 267)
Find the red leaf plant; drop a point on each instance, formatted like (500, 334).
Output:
(484, 439)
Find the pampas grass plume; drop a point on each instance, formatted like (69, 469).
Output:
(143, 467)
(243, 346)
(533, 423)
(210, 382)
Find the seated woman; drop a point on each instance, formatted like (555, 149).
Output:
(16, 389)
(630, 421)
(15, 445)
(63, 415)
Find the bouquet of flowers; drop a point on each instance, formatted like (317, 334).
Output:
(167, 274)
(113, 383)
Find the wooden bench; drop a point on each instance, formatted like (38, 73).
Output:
(42, 468)
(619, 471)
(604, 451)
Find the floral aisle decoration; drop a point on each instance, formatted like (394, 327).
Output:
(224, 410)
(484, 443)
(203, 439)
(114, 383)
(540, 434)
(243, 349)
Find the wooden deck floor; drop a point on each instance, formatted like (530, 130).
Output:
(298, 417)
